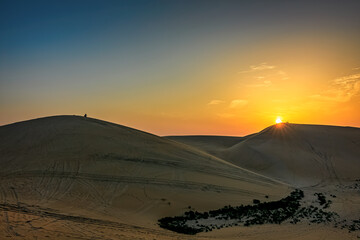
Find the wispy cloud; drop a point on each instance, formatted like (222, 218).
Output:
(260, 67)
(341, 89)
(216, 102)
(236, 103)
(347, 79)
(228, 112)
(283, 75)
(266, 73)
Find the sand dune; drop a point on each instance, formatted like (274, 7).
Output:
(70, 177)
(70, 169)
(209, 144)
(301, 155)
(317, 159)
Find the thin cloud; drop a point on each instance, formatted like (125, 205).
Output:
(260, 67)
(265, 71)
(216, 102)
(347, 79)
(236, 103)
(341, 89)
(283, 74)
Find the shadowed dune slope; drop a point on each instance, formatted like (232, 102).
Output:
(301, 155)
(210, 144)
(84, 166)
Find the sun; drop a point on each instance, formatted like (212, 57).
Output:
(278, 120)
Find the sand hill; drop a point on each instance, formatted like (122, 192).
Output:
(301, 155)
(209, 144)
(70, 177)
(74, 177)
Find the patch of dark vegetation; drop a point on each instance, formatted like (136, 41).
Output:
(275, 212)
(353, 186)
(354, 225)
(322, 200)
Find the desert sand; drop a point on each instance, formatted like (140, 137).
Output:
(70, 177)
(298, 154)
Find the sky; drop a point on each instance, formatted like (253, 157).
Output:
(182, 67)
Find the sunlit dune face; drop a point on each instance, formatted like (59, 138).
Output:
(278, 120)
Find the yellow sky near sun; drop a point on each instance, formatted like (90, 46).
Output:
(251, 99)
(275, 92)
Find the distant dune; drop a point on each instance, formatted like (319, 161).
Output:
(301, 155)
(210, 144)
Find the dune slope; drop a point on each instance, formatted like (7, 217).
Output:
(301, 155)
(84, 170)
(208, 143)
